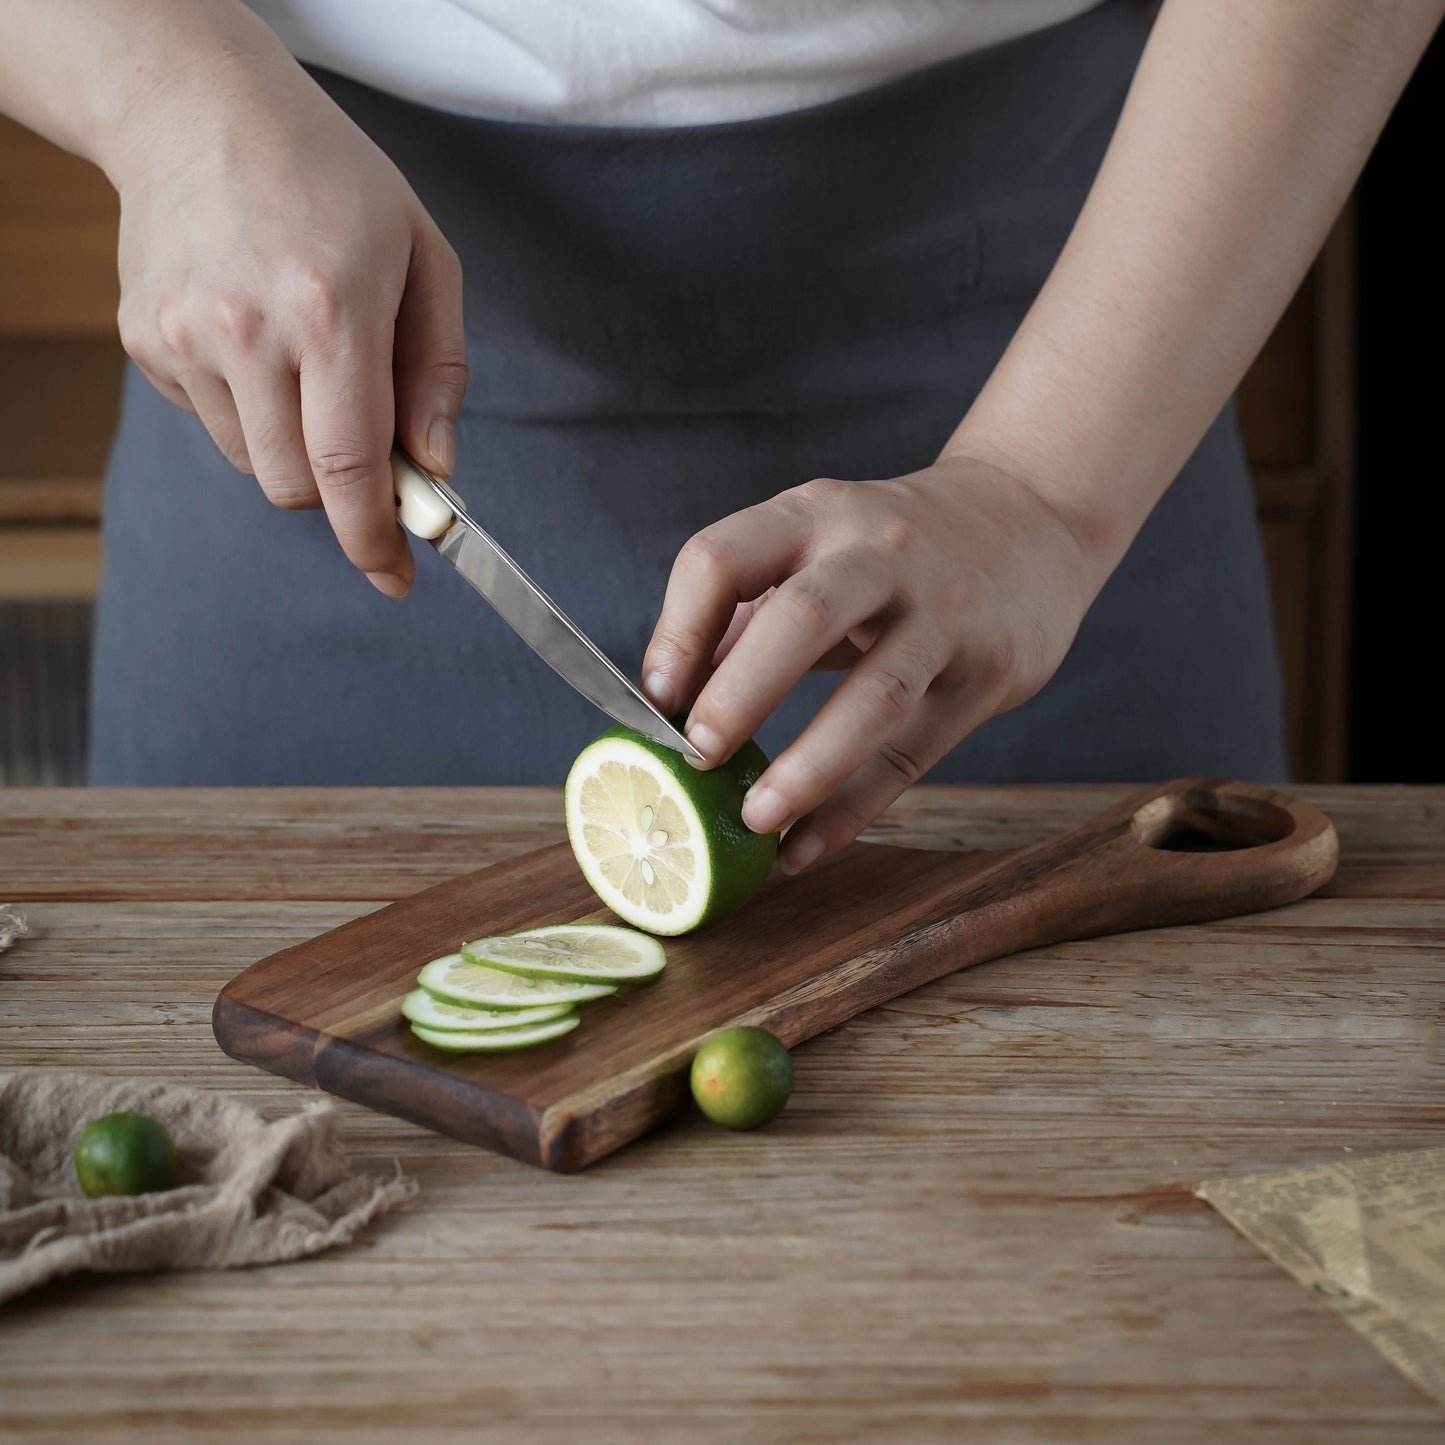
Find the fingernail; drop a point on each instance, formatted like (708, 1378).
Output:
(707, 742)
(393, 584)
(803, 848)
(441, 445)
(764, 811)
(659, 689)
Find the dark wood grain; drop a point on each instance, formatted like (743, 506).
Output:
(973, 1222)
(805, 955)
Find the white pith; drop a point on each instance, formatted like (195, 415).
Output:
(637, 837)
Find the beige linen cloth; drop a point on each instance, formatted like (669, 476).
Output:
(248, 1191)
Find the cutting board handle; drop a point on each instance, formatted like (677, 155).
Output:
(1183, 852)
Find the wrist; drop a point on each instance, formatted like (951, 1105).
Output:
(1090, 513)
(194, 80)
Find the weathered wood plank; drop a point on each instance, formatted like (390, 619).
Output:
(385, 843)
(972, 1223)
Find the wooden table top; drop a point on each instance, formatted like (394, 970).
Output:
(973, 1222)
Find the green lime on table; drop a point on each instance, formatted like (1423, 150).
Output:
(742, 1077)
(125, 1154)
(662, 843)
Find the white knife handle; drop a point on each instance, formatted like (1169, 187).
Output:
(422, 511)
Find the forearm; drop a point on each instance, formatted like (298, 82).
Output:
(86, 73)
(1244, 130)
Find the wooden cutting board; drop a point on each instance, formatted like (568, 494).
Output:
(803, 956)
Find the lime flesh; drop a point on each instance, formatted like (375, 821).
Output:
(453, 979)
(662, 843)
(573, 952)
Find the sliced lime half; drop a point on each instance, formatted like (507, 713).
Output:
(663, 844)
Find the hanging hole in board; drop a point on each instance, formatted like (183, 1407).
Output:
(1205, 821)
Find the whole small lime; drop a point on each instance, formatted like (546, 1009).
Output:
(742, 1077)
(124, 1154)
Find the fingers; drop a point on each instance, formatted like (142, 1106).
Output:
(940, 722)
(347, 420)
(806, 617)
(210, 398)
(268, 401)
(733, 561)
(430, 359)
(877, 701)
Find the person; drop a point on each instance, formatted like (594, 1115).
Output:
(890, 337)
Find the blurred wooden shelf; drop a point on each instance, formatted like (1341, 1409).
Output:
(32, 501)
(61, 363)
(58, 220)
(49, 564)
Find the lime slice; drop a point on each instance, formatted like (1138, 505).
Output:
(663, 844)
(431, 1013)
(495, 1041)
(574, 952)
(454, 980)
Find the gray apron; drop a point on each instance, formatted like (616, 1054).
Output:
(665, 326)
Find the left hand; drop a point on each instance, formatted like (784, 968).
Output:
(950, 595)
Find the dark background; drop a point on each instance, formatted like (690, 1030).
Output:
(1396, 735)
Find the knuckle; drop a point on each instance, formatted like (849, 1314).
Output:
(806, 606)
(449, 374)
(343, 464)
(901, 764)
(895, 539)
(290, 494)
(996, 660)
(135, 335)
(238, 320)
(672, 645)
(705, 554)
(319, 297)
(822, 492)
(891, 690)
(172, 328)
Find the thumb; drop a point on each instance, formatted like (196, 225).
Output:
(429, 359)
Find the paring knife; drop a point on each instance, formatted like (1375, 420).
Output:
(432, 511)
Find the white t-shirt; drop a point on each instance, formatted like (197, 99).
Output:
(641, 62)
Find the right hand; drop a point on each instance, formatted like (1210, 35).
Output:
(280, 279)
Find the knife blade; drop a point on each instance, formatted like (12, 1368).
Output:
(431, 511)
